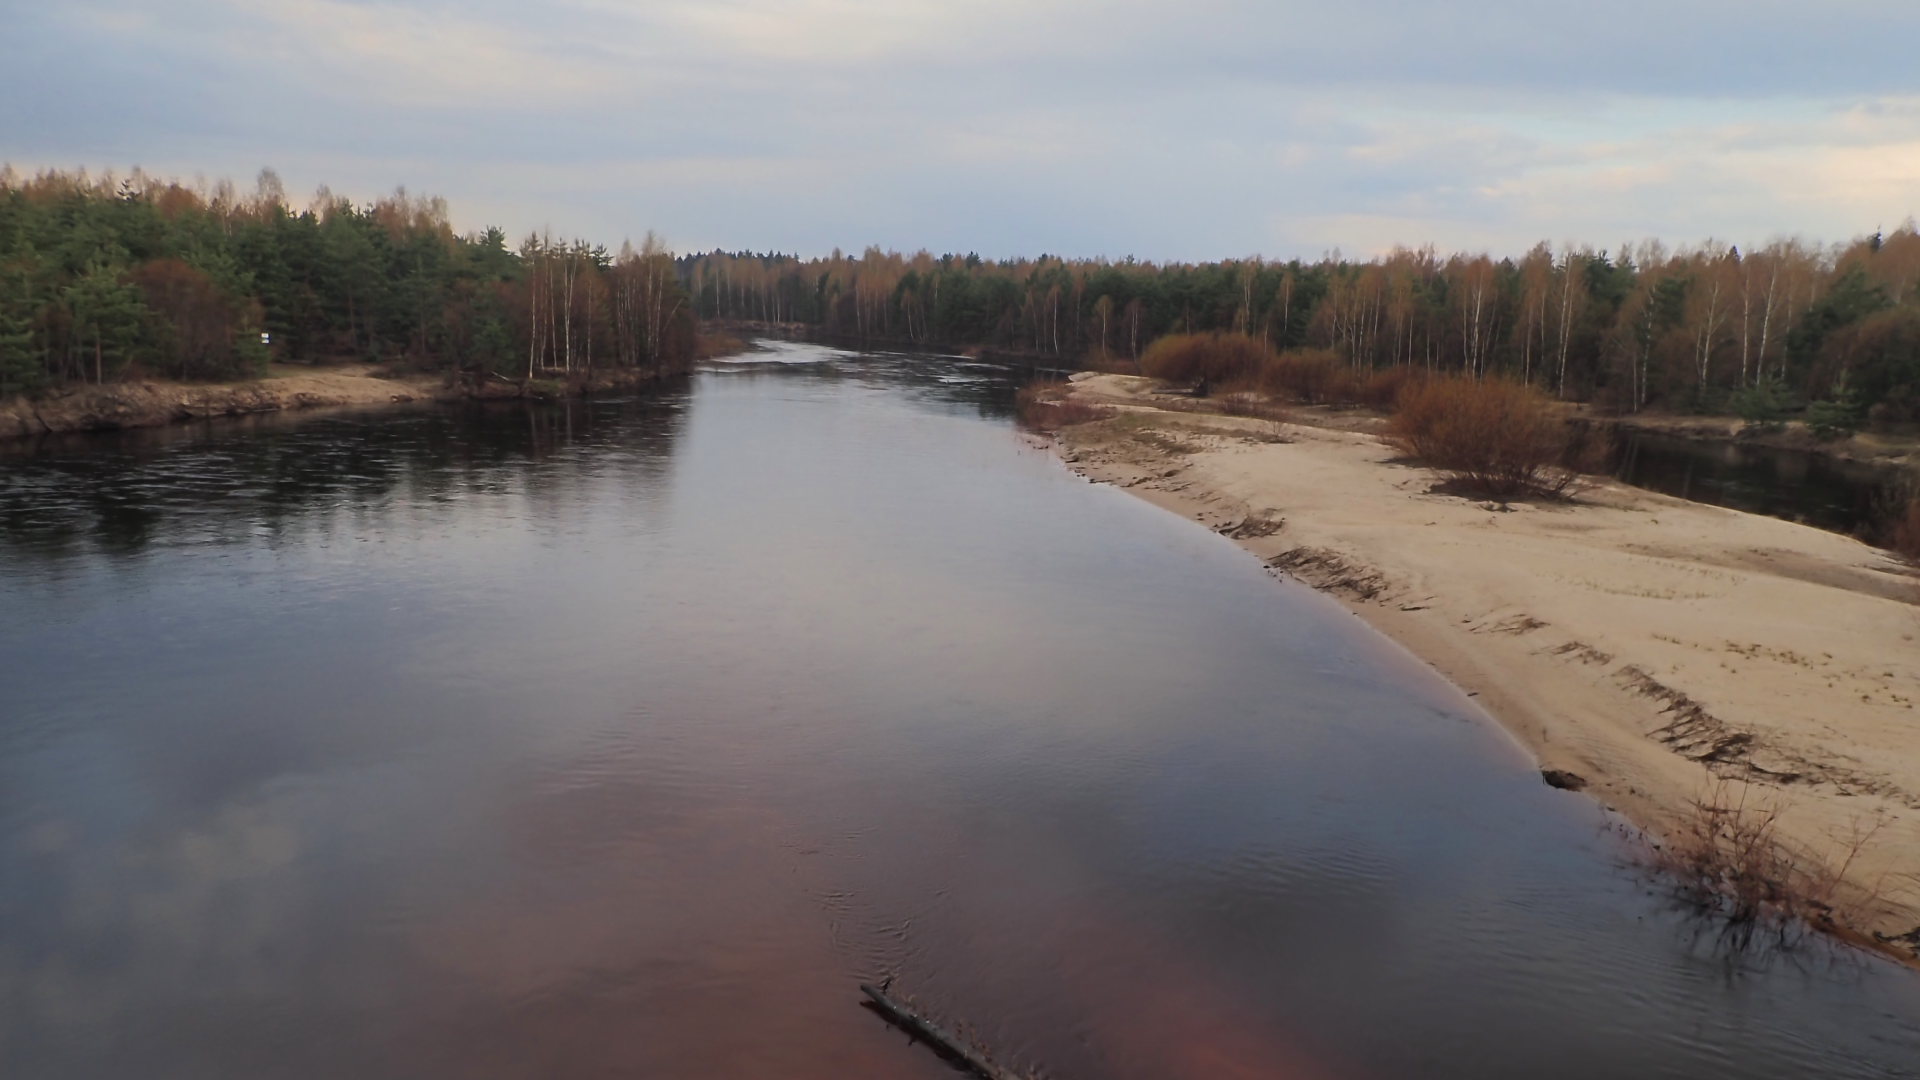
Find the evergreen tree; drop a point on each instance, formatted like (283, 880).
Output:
(107, 318)
(20, 368)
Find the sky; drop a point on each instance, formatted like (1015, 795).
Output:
(1196, 129)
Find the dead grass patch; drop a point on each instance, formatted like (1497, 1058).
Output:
(1048, 406)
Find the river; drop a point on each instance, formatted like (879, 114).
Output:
(624, 737)
(1858, 498)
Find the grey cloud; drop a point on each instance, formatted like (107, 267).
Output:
(1201, 129)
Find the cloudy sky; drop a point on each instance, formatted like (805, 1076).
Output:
(1175, 129)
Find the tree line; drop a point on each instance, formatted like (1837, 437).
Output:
(105, 278)
(1707, 328)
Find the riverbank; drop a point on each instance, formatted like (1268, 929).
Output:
(153, 402)
(1883, 448)
(1650, 646)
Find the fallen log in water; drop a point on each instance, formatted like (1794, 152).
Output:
(945, 1043)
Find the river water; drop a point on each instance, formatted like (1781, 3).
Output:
(623, 738)
(1797, 485)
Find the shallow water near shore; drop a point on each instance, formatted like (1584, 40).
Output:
(1793, 485)
(624, 737)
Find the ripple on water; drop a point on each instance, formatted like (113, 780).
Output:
(624, 737)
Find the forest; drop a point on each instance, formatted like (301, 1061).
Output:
(1710, 328)
(105, 278)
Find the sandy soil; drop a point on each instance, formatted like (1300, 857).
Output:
(1647, 644)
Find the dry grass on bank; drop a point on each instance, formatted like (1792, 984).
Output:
(1254, 407)
(1047, 406)
(1728, 861)
(714, 342)
(1104, 360)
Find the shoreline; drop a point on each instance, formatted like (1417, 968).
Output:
(1650, 646)
(151, 403)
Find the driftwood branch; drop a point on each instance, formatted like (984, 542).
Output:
(948, 1045)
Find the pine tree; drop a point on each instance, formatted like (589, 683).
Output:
(108, 320)
(20, 368)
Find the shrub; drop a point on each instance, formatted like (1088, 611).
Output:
(1202, 360)
(1726, 858)
(1313, 376)
(1498, 438)
(713, 341)
(1382, 389)
(1837, 418)
(1763, 405)
(1903, 535)
(1101, 359)
(1829, 420)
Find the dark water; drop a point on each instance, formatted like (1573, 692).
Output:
(621, 739)
(1827, 493)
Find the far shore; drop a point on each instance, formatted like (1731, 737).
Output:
(1643, 646)
(145, 403)
(1883, 448)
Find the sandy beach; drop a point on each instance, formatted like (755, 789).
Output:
(1651, 646)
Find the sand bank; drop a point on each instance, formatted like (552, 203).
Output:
(1647, 644)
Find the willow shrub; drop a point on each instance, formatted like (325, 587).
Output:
(1493, 437)
(1212, 359)
(1382, 389)
(1309, 376)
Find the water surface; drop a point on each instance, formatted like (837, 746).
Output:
(623, 738)
(1796, 485)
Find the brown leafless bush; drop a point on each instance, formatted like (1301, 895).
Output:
(1726, 859)
(1382, 389)
(1726, 856)
(1310, 376)
(1205, 360)
(1496, 438)
(1099, 358)
(1903, 536)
